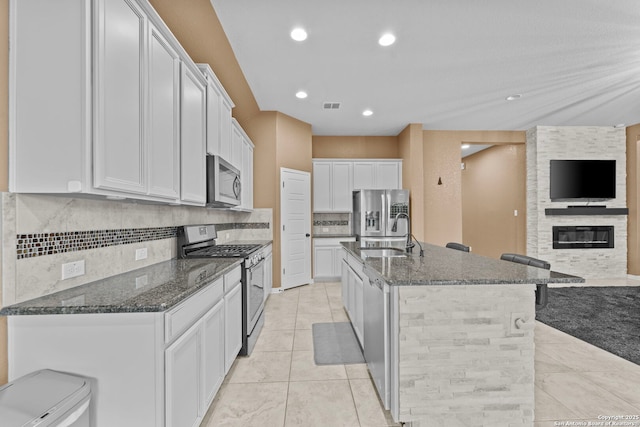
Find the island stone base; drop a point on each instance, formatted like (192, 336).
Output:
(460, 359)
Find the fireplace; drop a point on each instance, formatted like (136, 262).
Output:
(583, 237)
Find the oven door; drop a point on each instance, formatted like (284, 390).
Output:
(223, 183)
(255, 295)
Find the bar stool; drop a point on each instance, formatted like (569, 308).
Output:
(541, 288)
(457, 246)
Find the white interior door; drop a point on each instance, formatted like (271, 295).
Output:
(295, 219)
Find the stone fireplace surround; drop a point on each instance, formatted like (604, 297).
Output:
(545, 143)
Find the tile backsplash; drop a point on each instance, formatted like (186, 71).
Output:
(40, 233)
(331, 223)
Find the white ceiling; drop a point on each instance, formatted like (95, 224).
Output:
(575, 62)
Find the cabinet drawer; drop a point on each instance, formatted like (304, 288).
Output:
(190, 310)
(231, 278)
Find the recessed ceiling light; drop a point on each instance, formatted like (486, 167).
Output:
(387, 39)
(465, 146)
(513, 97)
(301, 94)
(298, 34)
(367, 113)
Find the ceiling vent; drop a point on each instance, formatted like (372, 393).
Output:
(331, 106)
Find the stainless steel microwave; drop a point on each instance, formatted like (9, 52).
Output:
(224, 187)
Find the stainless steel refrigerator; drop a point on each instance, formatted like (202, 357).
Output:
(374, 213)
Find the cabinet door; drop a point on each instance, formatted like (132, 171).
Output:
(345, 283)
(338, 256)
(342, 188)
(164, 118)
(388, 175)
(358, 307)
(226, 136)
(247, 175)
(192, 140)
(182, 371)
(323, 261)
(363, 175)
(236, 146)
(322, 187)
(213, 357)
(232, 325)
(119, 151)
(213, 118)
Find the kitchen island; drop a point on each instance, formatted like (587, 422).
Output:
(448, 337)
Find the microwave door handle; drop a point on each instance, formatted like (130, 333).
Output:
(236, 187)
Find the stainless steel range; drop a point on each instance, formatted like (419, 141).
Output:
(199, 241)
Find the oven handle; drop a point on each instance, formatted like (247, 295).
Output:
(259, 264)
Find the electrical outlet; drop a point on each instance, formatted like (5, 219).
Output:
(515, 212)
(325, 229)
(72, 269)
(141, 254)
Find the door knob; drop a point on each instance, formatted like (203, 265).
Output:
(308, 235)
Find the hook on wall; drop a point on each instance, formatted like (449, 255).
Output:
(439, 181)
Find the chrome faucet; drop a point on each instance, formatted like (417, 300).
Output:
(394, 228)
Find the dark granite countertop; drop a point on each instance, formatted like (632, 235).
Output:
(443, 266)
(332, 236)
(154, 288)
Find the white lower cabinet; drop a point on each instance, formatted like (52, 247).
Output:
(233, 324)
(213, 353)
(268, 271)
(327, 257)
(151, 369)
(183, 364)
(353, 293)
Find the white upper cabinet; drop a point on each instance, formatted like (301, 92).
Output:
(105, 120)
(236, 144)
(377, 175)
(242, 158)
(219, 107)
(119, 150)
(334, 180)
(164, 117)
(193, 137)
(332, 186)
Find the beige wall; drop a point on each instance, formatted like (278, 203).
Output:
(4, 153)
(196, 25)
(633, 201)
(410, 150)
(293, 152)
(493, 186)
(443, 203)
(355, 147)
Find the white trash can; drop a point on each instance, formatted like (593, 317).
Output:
(46, 398)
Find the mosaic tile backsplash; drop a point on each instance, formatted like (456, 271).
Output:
(40, 244)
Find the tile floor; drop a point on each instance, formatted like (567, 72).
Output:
(279, 384)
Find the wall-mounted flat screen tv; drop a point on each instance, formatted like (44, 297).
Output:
(583, 179)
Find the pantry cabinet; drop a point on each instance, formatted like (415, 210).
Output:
(335, 179)
(106, 119)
